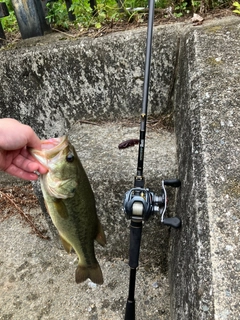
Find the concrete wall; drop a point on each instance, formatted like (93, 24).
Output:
(52, 85)
(205, 260)
(196, 72)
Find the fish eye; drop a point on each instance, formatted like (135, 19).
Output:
(70, 157)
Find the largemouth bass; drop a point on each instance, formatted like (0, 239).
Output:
(69, 200)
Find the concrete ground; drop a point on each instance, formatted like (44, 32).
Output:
(37, 277)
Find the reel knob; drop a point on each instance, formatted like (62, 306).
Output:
(174, 222)
(175, 183)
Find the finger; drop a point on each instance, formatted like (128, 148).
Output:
(25, 164)
(15, 171)
(41, 169)
(26, 154)
(32, 139)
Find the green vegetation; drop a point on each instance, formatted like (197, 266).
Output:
(9, 23)
(237, 5)
(108, 11)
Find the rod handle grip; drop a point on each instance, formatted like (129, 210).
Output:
(130, 310)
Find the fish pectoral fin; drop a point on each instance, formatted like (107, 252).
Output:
(65, 244)
(61, 208)
(101, 238)
(94, 273)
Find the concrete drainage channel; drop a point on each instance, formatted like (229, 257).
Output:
(38, 277)
(50, 85)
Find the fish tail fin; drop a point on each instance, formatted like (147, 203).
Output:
(81, 274)
(93, 272)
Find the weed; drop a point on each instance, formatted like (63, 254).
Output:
(237, 5)
(9, 23)
(57, 14)
(181, 9)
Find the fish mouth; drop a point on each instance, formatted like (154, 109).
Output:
(53, 145)
(49, 149)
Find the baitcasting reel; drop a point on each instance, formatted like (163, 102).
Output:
(139, 204)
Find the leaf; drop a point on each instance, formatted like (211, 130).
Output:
(197, 19)
(237, 5)
(98, 25)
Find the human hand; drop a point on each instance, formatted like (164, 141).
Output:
(15, 158)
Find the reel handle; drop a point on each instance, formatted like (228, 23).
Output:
(174, 222)
(175, 183)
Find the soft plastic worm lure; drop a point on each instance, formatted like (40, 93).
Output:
(128, 143)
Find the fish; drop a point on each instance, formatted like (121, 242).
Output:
(70, 202)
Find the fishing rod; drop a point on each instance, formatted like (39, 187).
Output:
(139, 202)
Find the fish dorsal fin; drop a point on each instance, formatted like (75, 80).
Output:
(101, 239)
(65, 244)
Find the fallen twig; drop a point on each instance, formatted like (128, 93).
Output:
(87, 122)
(29, 221)
(71, 35)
